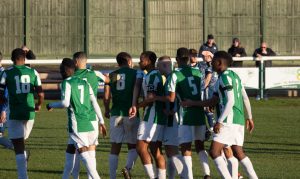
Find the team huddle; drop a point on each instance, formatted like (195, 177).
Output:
(178, 110)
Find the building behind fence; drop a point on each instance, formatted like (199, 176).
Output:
(56, 28)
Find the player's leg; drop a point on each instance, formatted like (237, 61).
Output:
(130, 129)
(88, 163)
(186, 151)
(76, 167)
(233, 163)
(156, 151)
(19, 148)
(199, 136)
(116, 139)
(174, 161)
(215, 153)
(142, 150)
(3, 140)
(69, 161)
(244, 160)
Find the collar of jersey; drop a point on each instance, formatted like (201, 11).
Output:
(19, 66)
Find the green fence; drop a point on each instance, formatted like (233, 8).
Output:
(102, 28)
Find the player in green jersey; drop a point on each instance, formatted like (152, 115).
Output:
(93, 78)
(122, 129)
(21, 83)
(185, 82)
(150, 128)
(78, 97)
(229, 129)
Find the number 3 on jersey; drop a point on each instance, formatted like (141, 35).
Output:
(192, 85)
(121, 81)
(22, 84)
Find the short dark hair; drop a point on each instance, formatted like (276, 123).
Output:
(193, 52)
(210, 36)
(151, 55)
(222, 55)
(79, 55)
(1, 57)
(17, 54)
(123, 58)
(68, 63)
(183, 54)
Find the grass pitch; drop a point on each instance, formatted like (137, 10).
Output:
(274, 147)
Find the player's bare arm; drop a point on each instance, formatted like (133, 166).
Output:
(207, 79)
(207, 103)
(106, 100)
(249, 120)
(41, 97)
(136, 92)
(169, 98)
(147, 101)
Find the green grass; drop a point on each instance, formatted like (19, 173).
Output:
(274, 147)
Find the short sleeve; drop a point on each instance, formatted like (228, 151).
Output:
(37, 81)
(3, 81)
(172, 83)
(100, 76)
(226, 82)
(139, 74)
(65, 89)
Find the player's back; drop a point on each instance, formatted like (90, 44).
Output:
(21, 81)
(229, 80)
(80, 103)
(188, 86)
(91, 76)
(122, 85)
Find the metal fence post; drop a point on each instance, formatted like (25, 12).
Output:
(261, 78)
(263, 20)
(205, 20)
(146, 26)
(26, 22)
(86, 26)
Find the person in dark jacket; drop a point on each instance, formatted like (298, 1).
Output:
(264, 51)
(210, 46)
(29, 53)
(236, 50)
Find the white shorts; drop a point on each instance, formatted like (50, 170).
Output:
(19, 128)
(189, 134)
(96, 131)
(123, 129)
(150, 132)
(82, 139)
(170, 136)
(230, 134)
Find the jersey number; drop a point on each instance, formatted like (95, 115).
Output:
(22, 84)
(81, 90)
(192, 85)
(121, 82)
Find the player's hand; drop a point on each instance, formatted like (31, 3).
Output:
(217, 127)
(102, 129)
(48, 107)
(3, 117)
(107, 114)
(250, 125)
(132, 112)
(26, 49)
(210, 109)
(186, 103)
(37, 107)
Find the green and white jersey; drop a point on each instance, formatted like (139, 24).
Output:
(186, 83)
(153, 83)
(229, 81)
(170, 106)
(121, 86)
(93, 78)
(76, 92)
(20, 82)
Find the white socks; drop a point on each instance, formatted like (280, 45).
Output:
(69, 164)
(90, 165)
(131, 158)
(113, 166)
(150, 171)
(233, 167)
(203, 156)
(188, 166)
(76, 167)
(92, 161)
(21, 166)
(222, 167)
(247, 165)
(162, 173)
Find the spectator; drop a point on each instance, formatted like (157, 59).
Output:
(29, 53)
(193, 57)
(264, 51)
(209, 46)
(236, 50)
